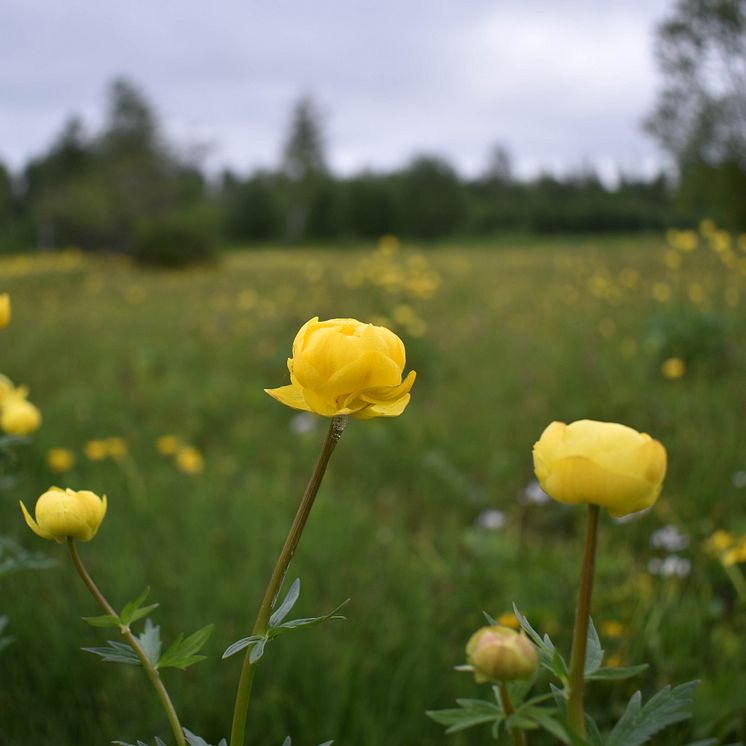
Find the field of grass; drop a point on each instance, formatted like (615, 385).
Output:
(504, 340)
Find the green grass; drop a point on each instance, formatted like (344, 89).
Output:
(509, 340)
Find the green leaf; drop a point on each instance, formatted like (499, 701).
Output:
(241, 644)
(106, 620)
(470, 713)
(287, 604)
(132, 611)
(193, 739)
(183, 651)
(549, 657)
(287, 742)
(640, 723)
(594, 653)
(616, 674)
(116, 652)
(490, 619)
(150, 641)
(258, 650)
(309, 621)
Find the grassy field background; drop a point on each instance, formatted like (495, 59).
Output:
(504, 338)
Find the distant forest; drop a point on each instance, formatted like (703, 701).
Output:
(125, 188)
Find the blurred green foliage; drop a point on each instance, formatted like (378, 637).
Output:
(504, 339)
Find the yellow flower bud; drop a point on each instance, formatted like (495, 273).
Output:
(190, 460)
(4, 310)
(501, 654)
(342, 366)
(65, 513)
(600, 463)
(18, 416)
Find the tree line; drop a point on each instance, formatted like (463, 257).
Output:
(127, 188)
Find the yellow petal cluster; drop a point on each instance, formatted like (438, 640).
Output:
(4, 310)
(18, 416)
(600, 463)
(501, 654)
(62, 514)
(345, 367)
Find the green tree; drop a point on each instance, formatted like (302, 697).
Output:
(700, 116)
(304, 170)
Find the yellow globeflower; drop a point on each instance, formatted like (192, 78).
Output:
(96, 450)
(60, 459)
(116, 447)
(4, 310)
(62, 514)
(600, 463)
(501, 654)
(18, 416)
(168, 445)
(673, 368)
(190, 460)
(343, 366)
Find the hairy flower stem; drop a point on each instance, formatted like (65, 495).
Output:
(150, 669)
(241, 708)
(519, 737)
(575, 713)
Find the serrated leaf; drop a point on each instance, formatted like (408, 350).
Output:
(183, 651)
(470, 713)
(193, 739)
(150, 641)
(128, 613)
(549, 657)
(326, 743)
(640, 723)
(287, 742)
(117, 652)
(241, 644)
(158, 742)
(287, 604)
(616, 673)
(594, 654)
(105, 620)
(310, 621)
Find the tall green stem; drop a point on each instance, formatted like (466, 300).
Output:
(519, 737)
(575, 713)
(150, 670)
(243, 695)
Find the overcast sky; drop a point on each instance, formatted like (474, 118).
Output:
(559, 82)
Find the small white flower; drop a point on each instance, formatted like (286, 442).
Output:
(533, 494)
(671, 566)
(303, 423)
(669, 538)
(491, 520)
(739, 479)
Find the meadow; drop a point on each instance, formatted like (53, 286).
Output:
(153, 381)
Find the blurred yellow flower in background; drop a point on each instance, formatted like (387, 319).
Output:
(168, 445)
(612, 628)
(60, 459)
(345, 367)
(673, 368)
(190, 460)
(18, 416)
(508, 619)
(600, 463)
(96, 450)
(116, 447)
(4, 310)
(66, 513)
